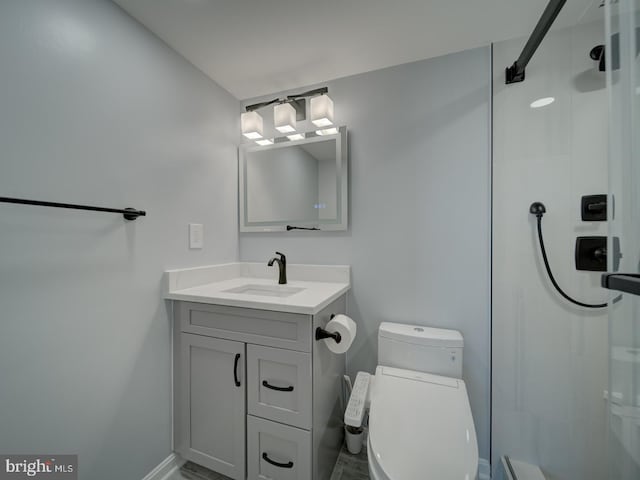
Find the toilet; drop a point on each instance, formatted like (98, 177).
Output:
(420, 423)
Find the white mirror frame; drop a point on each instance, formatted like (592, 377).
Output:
(343, 181)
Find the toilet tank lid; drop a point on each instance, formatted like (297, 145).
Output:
(420, 335)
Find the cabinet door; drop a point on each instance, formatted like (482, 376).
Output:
(212, 404)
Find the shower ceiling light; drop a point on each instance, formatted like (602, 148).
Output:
(542, 102)
(251, 123)
(322, 111)
(265, 141)
(284, 118)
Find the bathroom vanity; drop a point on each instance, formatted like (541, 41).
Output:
(255, 395)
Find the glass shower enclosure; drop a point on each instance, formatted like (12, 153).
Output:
(565, 378)
(623, 82)
(552, 362)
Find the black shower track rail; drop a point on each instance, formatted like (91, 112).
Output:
(515, 73)
(127, 213)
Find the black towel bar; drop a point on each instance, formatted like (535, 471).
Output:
(127, 213)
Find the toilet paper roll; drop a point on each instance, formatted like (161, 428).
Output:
(347, 330)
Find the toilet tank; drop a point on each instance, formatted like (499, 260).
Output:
(423, 349)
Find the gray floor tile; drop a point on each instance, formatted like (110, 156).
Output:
(351, 467)
(191, 471)
(348, 467)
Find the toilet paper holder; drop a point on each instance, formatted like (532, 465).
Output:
(321, 333)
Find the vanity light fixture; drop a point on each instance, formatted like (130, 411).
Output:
(284, 118)
(287, 111)
(251, 123)
(322, 111)
(265, 141)
(327, 131)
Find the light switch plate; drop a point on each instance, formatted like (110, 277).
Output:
(196, 235)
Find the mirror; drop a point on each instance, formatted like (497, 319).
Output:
(291, 185)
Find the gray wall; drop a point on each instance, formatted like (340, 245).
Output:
(96, 110)
(419, 235)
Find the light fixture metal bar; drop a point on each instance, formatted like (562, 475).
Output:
(257, 106)
(300, 105)
(297, 101)
(310, 93)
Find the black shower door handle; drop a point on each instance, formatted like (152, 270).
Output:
(622, 282)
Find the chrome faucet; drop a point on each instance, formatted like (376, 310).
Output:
(282, 264)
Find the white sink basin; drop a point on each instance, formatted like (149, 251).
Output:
(280, 291)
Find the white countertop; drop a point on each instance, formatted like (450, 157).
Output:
(321, 284)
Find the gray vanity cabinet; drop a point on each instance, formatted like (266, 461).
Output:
(256, 396)
(212, 395)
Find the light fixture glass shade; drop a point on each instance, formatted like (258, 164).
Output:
(284, 118)
(327, 131)
(251, 123)
(322, 111)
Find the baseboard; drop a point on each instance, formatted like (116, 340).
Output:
(484, 469)
(165, 468)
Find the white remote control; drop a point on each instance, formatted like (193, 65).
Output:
(354, 413)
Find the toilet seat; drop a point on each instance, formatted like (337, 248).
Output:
(420, 427)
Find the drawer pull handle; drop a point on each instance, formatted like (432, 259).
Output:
(280, 389)
(266, 458)
(235, 370)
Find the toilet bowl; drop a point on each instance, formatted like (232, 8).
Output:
(420, 422)
(420, 427)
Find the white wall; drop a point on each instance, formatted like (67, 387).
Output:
(549, 357)
(418, 240)
(96, 110)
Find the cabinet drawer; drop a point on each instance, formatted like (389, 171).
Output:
(276, 451)
(276, 329)
(279, 385)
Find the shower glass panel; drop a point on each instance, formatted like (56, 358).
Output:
(549, 357)
(623, 77)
